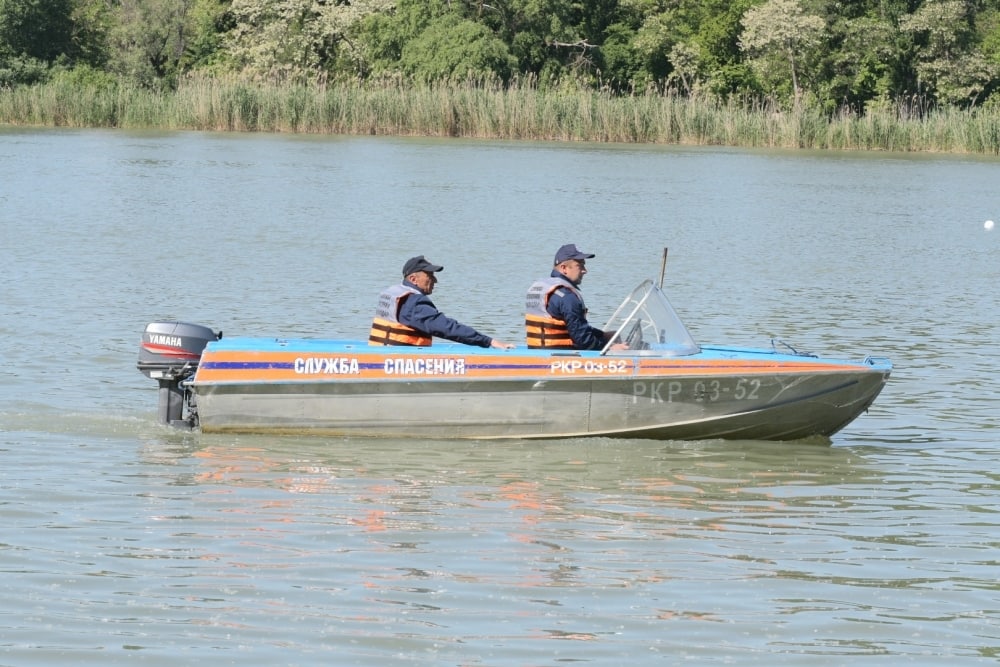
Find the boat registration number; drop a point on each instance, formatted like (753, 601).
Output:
(740, 389)
(591, 367)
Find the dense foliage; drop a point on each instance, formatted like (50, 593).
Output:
(825, 54)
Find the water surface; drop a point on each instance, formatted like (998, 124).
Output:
(124, 541)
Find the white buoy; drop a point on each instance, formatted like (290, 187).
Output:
(988, 225)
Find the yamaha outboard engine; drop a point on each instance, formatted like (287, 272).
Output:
(169, 353)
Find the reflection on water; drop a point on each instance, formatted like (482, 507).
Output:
(511, 553)
(625, 546)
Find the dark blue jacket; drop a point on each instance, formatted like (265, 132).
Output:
(419, 312)
(566, 306)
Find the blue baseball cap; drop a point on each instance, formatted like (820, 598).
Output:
(570, 251)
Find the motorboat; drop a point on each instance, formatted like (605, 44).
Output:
(664, 386)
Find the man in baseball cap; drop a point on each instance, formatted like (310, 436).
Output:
(556, 317)
(405, 316)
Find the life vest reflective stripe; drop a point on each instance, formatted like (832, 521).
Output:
(384, 332)
(386, 327)
(541, 329)
(547, 332)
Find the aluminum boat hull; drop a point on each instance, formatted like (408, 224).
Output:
(453, 391)
(651, 380)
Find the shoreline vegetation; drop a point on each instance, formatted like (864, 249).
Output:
(518, 111)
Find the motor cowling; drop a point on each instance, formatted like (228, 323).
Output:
(169, 353)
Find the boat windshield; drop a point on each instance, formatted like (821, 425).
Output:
(647, 322)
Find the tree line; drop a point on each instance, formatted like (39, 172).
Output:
(827, 54)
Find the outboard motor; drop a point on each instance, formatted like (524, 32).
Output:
(169, 353)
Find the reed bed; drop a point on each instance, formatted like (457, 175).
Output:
(492, 111)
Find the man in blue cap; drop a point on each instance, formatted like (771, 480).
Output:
(405, 316)
(556, 317)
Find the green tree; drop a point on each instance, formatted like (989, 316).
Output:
(866, 61)
(208, 20)
(295, 40)
(273, 38)
(693, 45)
(380, 37)
(148, 40)
(34, 34)
(658, 34)
(622, 65)
(561, 39)
(780, 30)
(448, 48)
(435, 39)
(949, 64)
(988, 26)
(41, 29)
(92, 24)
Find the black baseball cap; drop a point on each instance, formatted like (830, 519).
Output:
(419, 263)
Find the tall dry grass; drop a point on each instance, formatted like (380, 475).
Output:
(491, 111)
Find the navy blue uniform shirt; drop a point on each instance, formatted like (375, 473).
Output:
(419, 312)
(565, 305)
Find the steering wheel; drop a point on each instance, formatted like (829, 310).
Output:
(634, 336)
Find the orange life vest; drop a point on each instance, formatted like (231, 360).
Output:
(386, 327)
(543, 330)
